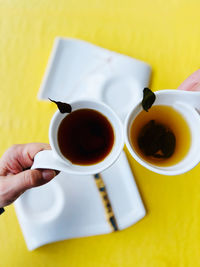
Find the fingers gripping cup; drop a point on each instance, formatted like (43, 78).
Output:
(166, 139)
(85, 141)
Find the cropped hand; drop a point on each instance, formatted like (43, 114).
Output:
(15, 174)
(192, 83)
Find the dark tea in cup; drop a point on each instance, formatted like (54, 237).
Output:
(85, 137)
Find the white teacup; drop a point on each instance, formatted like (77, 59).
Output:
(54, 159)
(186, 103)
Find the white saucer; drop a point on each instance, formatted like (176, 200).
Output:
(70, 206)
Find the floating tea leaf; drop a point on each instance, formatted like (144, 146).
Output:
(148, 99)
(63, 107)
(168, 145)
(156, 140)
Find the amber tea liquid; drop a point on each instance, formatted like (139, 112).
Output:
(166, 120)
(85, 137)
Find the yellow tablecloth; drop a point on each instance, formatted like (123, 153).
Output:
(166, 34)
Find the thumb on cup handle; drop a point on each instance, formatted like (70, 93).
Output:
(46, 160)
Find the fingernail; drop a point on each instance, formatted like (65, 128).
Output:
(48, 174)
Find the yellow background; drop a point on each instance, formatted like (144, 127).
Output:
(166, 34)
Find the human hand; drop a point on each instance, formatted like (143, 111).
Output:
(192, 83)
(15, 174)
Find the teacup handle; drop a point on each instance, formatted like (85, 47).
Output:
(46, 160)
(174, 96)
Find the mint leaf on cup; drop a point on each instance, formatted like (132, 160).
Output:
(63, 107)
(148, 99)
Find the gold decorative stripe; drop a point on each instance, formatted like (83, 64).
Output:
(106, 202)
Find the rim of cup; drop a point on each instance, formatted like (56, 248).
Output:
(115, 122)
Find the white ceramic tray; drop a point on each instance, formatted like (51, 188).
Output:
(78, 69)
(71, 206)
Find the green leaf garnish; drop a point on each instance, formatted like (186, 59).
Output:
(148, 99)
(63, 107)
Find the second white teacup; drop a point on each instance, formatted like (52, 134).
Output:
(188, 105)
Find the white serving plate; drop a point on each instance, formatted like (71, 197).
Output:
(70, 206)
(78, 69)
